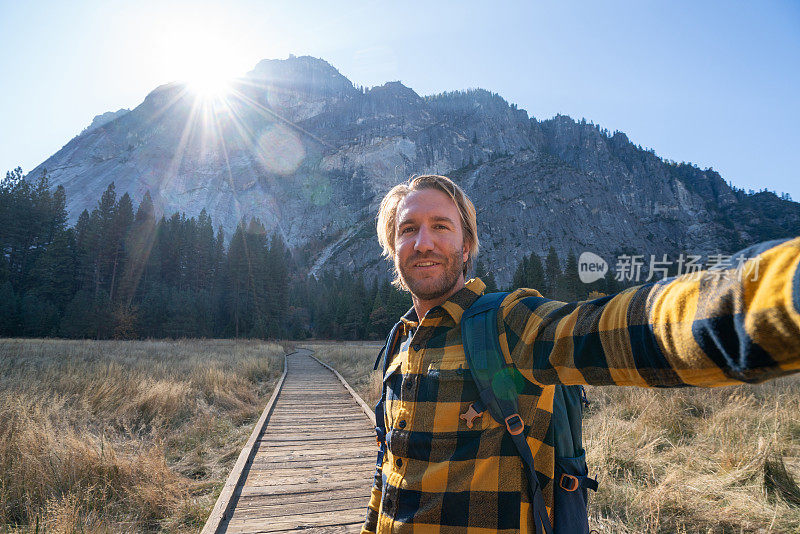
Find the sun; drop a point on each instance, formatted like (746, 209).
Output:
(200, 55)
(209, 85)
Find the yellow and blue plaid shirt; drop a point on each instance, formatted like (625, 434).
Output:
(707, 329)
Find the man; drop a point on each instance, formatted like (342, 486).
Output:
(440, 476)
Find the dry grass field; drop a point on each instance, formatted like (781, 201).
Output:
(118, 436)
(722, 460)
(124, 436)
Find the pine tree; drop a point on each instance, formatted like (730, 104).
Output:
(9, 313)
(571, 281)
(56, 270)
(520, 277)
(277, 285)
(552, 271)
(238, 282)
(102, 243)
(138, 244)
(534, 276)
(84, 261)
(121, 226)
(258, 267)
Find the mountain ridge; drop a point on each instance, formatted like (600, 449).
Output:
(311, 155)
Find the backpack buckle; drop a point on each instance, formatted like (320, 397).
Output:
(470, 415)
(514, 424)
(569, 482)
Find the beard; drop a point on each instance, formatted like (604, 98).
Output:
(432, 287)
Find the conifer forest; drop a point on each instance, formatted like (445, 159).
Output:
(123, 272)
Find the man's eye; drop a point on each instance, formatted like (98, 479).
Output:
(406, 230)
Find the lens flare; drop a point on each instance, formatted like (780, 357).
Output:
(280, 150)
(317, 189)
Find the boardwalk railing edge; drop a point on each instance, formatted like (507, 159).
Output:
(221, 508)
(364, 406)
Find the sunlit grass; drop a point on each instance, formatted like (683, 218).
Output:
(124, 436)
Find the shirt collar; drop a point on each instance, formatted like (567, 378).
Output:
(409, 320)
(455, 305)
(463, 298)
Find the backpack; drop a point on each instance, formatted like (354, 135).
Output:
(497, 380)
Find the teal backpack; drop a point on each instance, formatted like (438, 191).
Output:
(497, 385)
(498, 393)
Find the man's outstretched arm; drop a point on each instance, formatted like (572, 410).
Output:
(708, 329)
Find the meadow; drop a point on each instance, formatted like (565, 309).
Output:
(139, 436)
(124, 436)
(722, 460)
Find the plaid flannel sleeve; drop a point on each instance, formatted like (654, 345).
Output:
(371, 522)
(710, 328)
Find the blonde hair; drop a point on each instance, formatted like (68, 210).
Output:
(387, 215)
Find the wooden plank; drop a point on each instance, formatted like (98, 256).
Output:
(309, 479)
(355, 425)
(298, 512)
(305, 463)
(285, 448)
(300, 489)
(311, 455)
(317, 438)
(359, 492)
(353, 516)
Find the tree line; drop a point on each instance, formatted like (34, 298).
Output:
(123, 272)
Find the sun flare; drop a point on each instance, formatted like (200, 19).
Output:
(209, 86)
(193, 51)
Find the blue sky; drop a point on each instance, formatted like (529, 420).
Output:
(714, 83)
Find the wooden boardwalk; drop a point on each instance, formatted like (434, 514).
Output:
(310, 462)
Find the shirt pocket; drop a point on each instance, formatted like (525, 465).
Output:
(392, 385)
(447, 385)
(446, 394)
(393, 368)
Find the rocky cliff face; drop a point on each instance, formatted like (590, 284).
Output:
(299, 147)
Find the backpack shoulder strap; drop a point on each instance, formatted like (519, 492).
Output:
(493, 375)
(497, 388)
(388, 350)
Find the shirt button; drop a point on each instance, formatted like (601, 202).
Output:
(398, 462)
(402, 424)
(415, 347)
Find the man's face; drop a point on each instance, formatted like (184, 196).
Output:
(429, 244)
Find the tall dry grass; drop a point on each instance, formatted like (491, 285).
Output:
(124, 436)
(723, 460)
(701, 460)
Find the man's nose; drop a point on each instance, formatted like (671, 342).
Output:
(424, 240)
